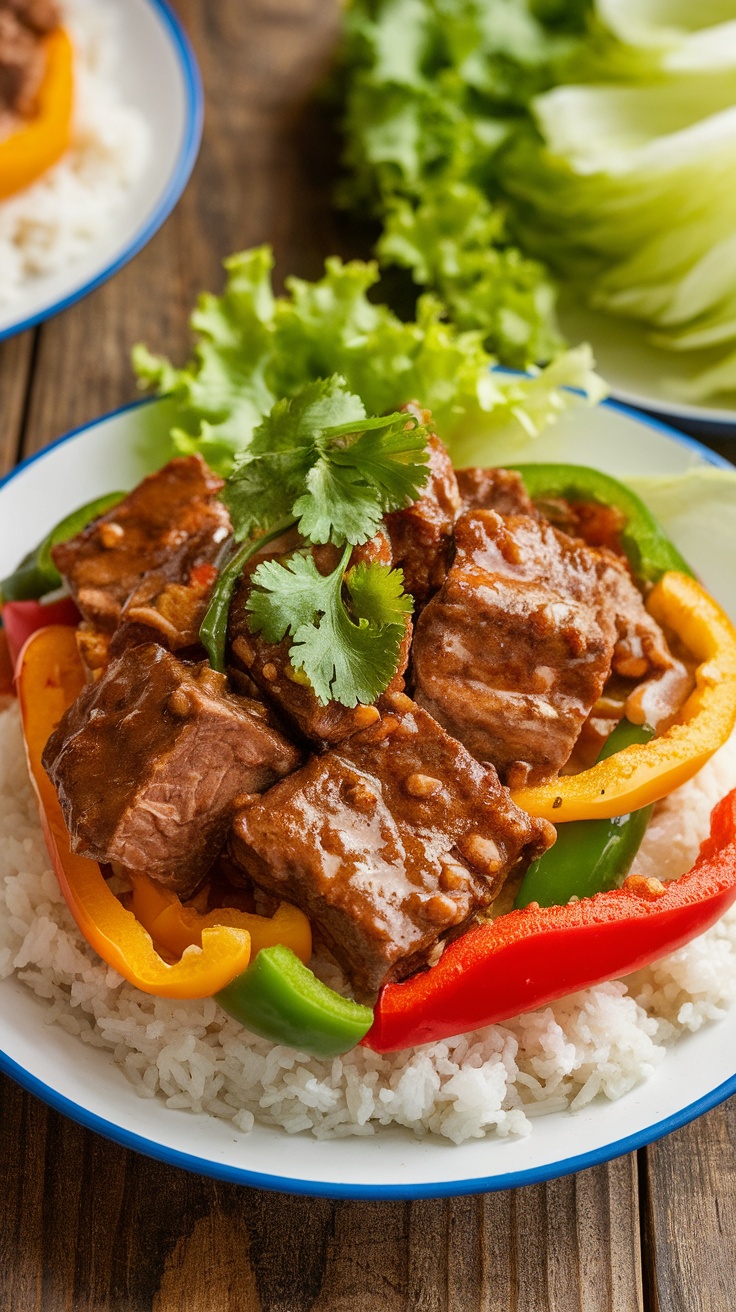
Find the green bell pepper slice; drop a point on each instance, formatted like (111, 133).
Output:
(281, 999)
(36, 575)
(649, 550)
(589, 856)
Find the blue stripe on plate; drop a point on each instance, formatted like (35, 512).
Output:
(326, 1188)
(189, 148)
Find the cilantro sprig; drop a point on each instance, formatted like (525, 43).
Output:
(347, 626)
(319, 463)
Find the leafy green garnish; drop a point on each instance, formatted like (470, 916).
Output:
(319, 457)
(433, 89)
(254, 348)
(319, 463)
(347, 626)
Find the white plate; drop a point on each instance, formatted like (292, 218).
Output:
(639, 373)
(158, 74)
(85, 1084)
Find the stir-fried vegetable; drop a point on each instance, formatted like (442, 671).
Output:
(650, 552)
(282, 1000)
(41, 141)
(589, 856)
(643, 773)
(530, 957)
(175, 927)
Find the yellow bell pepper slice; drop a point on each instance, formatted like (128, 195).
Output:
(644, 773)
(27, 153)
(49, 678)
(175, 927)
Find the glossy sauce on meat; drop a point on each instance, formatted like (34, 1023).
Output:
(513, 652)
(421, 535)
(149, 760)
(388, 842)
(172, 510)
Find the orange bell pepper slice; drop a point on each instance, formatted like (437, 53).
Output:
(43, 139)
(176, 927)
(646, 772)
(49, 678)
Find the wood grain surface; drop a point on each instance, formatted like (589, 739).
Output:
(86, 1226)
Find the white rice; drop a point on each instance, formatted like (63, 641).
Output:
(50, 224)
(599, 1042)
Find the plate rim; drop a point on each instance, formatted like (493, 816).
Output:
(193, 124)
(362, 1192)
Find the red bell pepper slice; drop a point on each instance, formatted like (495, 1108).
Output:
(22, 618)
(530, 957)
(6, 666)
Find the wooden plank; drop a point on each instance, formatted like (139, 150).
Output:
(689, 1211)
(85, 1225)
(16, 356)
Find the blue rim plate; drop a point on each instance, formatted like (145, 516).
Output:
(181, 118)
(84, 1084)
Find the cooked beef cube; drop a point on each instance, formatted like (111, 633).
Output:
(22, 65)
(513, 652)
(149, 760)
(40, 16)
(269, 667)
(494, 489)
(172, 508)
(421, 535)
(596, 524)
(642, 652)
(389, 842)
(169, 603)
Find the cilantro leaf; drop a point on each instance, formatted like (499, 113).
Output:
(394, 461)
(318, 459)
(263, 489)
(336, 506)
(347, 659)
(377, 593)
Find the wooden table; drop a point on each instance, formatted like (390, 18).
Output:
(88, 1227)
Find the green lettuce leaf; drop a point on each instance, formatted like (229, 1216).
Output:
(253, 348)
(432, 89)
(625, 185)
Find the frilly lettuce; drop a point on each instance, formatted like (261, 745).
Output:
(453, 240)
(253, 348)
(432, 90)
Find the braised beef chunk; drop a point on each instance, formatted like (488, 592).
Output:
(421, 535)
(596, 524)
(494, 489)
(641, 651)
(22, 64)
(270, 669)
(40, 16)
(169, 603)
(172, 510)
(149, 760)
(388, 842)
(513, 652)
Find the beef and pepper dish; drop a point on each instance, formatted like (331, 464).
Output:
(531, 655)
